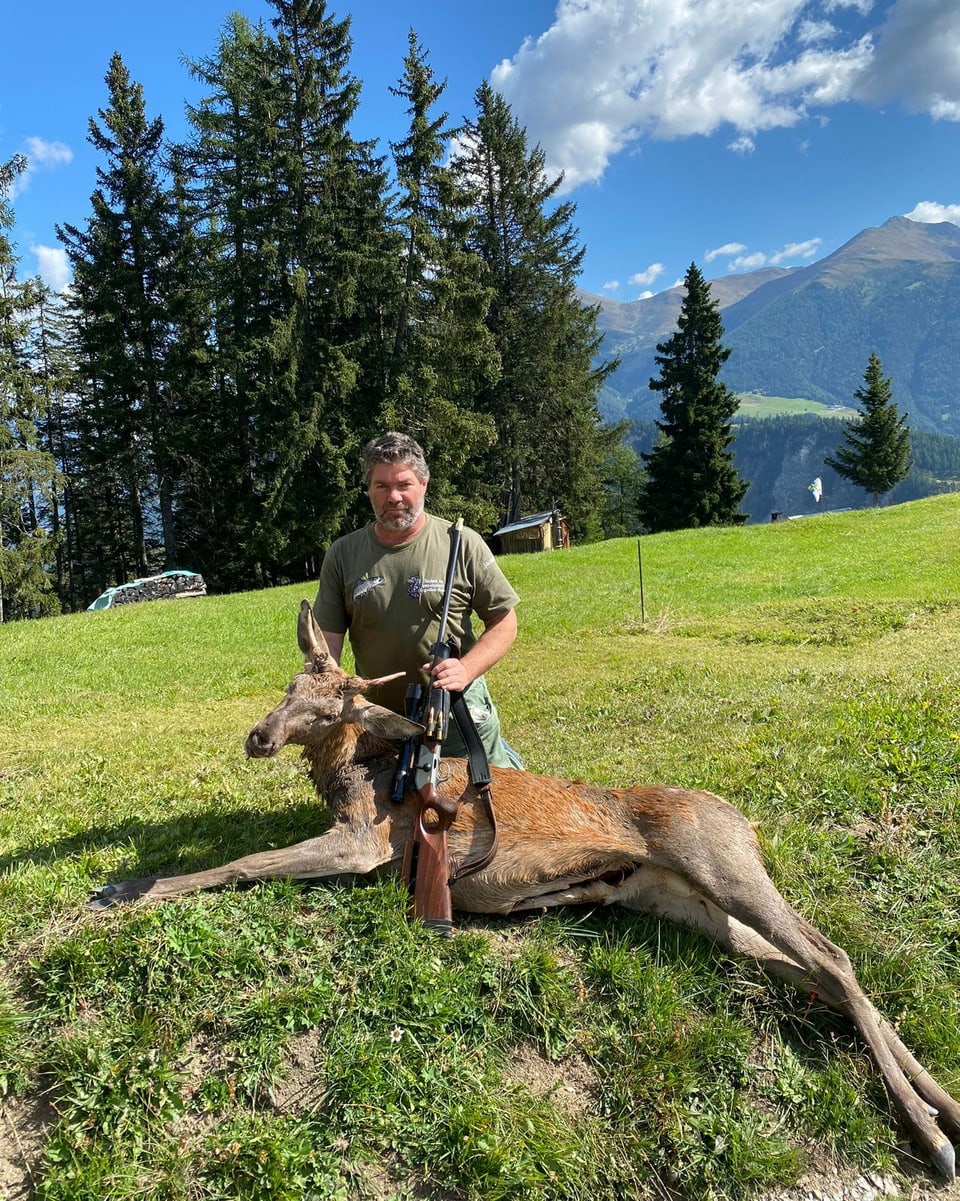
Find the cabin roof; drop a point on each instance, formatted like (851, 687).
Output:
(525, 523)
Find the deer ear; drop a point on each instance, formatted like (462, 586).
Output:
(311, 640)
(375, 719)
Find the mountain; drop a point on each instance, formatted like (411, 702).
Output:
(637, 324)
(808, 332)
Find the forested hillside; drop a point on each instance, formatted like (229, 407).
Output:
(781, 456)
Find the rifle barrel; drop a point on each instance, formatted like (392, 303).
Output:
(455, 535)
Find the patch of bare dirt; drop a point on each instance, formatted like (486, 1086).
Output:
(23, 1127)
(827, 1185)
(298, 1085)
(570, 1082)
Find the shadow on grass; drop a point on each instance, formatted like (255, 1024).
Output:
(182, 844)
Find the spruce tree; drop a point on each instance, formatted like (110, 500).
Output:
(623, 476)
(194, 435)
(27, 471)
(876, 454)
(120, 294)
(300, 255)
(442, 355)
(51, 358)
(691, 478)
(551, 442)
(343, 272)
(225, 173)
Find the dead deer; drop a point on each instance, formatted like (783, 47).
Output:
(676, 853)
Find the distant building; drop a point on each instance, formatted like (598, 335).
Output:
(542, 531)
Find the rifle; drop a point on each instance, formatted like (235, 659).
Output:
(426, 862)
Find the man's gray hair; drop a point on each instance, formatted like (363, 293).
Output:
(395, 448)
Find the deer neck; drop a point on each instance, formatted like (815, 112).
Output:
(348, 747)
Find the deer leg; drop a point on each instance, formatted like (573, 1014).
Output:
(761, 924)
(928, 1088)
(939, 1102)
(344, 850)
(830, 972)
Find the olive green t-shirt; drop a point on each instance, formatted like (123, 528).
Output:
(389, 600)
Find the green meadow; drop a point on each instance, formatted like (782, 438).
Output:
(753, 404)
(294, 1042)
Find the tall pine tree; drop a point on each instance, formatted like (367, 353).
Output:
(343, 268)
(442, 355)
(121, 294)
(27, 471)
(52, 363)
(876, 454)
(551, 441)
(691, 478)
(299, 252)
(225, 173)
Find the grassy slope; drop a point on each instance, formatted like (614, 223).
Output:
(239, 1045)
(752, 405)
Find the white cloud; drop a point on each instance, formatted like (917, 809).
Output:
(724, 251)
(611, 285)
(863, 7)
(929, 212)
(753, 262)
(809, 32)
(609, 73)
(796, 250)
(749, 262)
(916, 60)
(41, 156)
(48, 154)
(53, 266)
(645, 278)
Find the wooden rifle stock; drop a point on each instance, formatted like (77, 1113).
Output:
(429, 866)
(426, 861)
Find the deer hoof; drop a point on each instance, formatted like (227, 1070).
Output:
(101, 898)
(117, 894)
(944, 1160)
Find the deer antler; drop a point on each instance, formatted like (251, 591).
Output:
(311, 640)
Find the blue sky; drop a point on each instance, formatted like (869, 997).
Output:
(730, 133)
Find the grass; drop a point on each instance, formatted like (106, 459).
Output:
(752, 404)
(290, 1042)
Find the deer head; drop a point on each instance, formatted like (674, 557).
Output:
(321, 699)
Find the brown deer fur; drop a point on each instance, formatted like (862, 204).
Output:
(677, 853)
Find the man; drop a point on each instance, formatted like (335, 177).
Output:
(384, 585)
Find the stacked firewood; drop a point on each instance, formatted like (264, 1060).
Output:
(161, 587)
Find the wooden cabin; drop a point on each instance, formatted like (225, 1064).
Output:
(542, 531)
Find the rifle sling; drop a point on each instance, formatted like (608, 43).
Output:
(479, 768)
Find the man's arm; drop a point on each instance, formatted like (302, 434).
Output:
(334, 644)
(499, 632)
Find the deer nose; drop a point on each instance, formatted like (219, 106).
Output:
(258, 745)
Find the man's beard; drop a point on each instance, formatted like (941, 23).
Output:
(399, 519)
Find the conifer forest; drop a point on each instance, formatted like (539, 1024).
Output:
(250, 306)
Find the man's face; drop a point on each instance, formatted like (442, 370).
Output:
(396, 495)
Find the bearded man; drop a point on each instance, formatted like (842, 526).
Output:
(384, 585)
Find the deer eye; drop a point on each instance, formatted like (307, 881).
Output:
(328, 711)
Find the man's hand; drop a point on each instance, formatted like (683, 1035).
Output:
(450, 675)
(454, 675)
